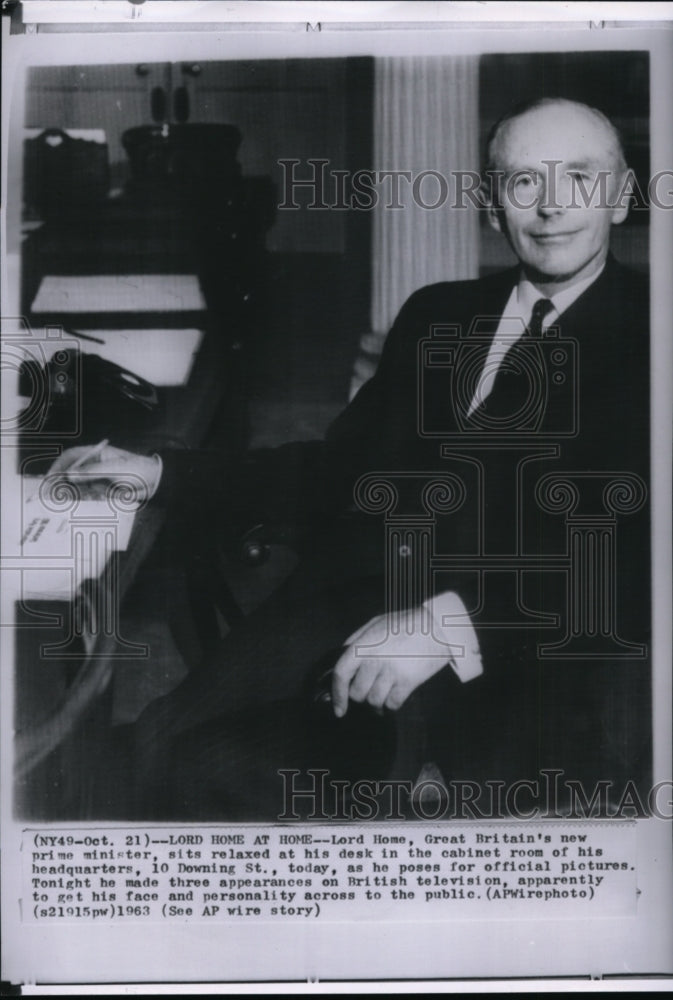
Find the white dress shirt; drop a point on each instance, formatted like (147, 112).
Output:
(514, 323)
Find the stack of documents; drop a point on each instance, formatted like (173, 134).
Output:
(162, 357)
(119, 293)
(60, 548)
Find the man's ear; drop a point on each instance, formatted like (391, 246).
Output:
(622, 197)
(488, 196)
(493, 214)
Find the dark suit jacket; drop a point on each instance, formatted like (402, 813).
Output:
(584, 418)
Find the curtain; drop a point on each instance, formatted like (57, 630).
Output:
(426, 118)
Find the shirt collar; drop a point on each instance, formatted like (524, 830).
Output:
(527, 295)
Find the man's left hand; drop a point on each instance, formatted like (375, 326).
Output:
(387, 659)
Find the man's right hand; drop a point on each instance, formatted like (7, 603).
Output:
(115, 465)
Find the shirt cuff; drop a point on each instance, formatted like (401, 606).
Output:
(154, 485)
(454, 626)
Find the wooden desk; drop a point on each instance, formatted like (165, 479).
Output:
(76, 683)
(159, 225)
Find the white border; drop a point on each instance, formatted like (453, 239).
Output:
(356, 950)
(402, 12)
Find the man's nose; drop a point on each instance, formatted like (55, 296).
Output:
(550, 200)
(555, 194)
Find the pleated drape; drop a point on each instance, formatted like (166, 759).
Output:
(425, 119)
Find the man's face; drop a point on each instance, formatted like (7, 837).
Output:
(557, 229)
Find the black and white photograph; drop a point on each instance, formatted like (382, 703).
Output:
(336, 428)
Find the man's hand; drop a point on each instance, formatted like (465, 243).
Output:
(383, 667)
(115, 465)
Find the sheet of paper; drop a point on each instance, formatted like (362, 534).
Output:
(60, 548)
(101, 293)
(163, 357)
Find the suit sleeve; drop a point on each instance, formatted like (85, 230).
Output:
(304, 482)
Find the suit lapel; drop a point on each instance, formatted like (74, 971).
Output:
(590, 334)
(475, 317)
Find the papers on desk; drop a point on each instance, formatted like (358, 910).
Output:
(60, 548)
(119, 293)
(162, 357)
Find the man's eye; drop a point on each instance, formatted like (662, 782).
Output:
(582, 175)
(525, 180)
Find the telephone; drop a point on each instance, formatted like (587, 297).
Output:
(86, 398)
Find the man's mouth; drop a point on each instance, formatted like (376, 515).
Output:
(553, 237)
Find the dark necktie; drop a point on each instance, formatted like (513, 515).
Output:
(541, 309)
(511, 391)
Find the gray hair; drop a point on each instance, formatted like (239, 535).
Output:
(497, 131)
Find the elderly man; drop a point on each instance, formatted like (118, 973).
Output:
(520, 618)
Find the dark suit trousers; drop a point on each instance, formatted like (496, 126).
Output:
(211, 748)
